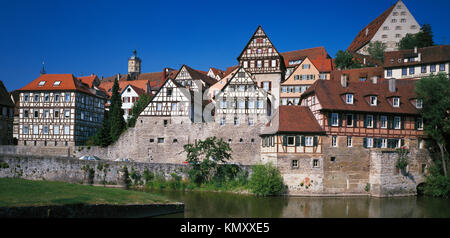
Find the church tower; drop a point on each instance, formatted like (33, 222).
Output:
(134, 66)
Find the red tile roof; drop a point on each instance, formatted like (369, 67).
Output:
(354, 75)
(432, 54)
(88, 80)
(331, 94)
(368, 32)
(312, 53)
(218, 72)
(323, 65)
(139, 91)
(200, 75)
(293, 119)
(142, 84)
(68, 82)
(230, 70)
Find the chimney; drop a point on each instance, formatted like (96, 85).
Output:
(375, 79)
(344, 82)
(392, 87)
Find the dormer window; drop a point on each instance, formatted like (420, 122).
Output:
(419, 103)
(56, 83)
(373, 100)
(41, 83)
(396, 102)
(349, 98)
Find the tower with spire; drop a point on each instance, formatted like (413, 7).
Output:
(43, 68)
(134, 66)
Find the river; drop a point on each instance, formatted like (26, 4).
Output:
(227, 205)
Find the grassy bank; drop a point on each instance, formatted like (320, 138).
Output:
(20, 192)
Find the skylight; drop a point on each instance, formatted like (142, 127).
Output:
(41, 83)
(56, 83)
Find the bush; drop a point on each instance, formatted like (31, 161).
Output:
(266, 180)
(437, 185)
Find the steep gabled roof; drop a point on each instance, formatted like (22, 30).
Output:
(139, 91)
(253, 36)
(331, 94)
(88, 80)
(5, 98)
(368, 32)
(199, 75)
(293, 119)
(218, 72)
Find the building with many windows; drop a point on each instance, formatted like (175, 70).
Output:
(59, 110)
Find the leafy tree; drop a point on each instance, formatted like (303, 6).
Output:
(117, 123)
(138, 107)
(423, 38)
(345, 60)
(102, 137)
(376, 50)
(266, 180)
(205, 156)
(434, 91)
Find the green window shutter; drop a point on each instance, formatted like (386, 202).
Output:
(315, 140)
(389, 143)
(340, 118)
(365, 142)
(365, 121)
(416, 123)
(303, 141)
(403, 142)
(329, 119)
(285, 140)
(355, 120)
(297, 140)
(375, 121)
(403, 122)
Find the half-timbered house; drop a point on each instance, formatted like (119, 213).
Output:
(59, 110)
(187, 77)
(6, 116)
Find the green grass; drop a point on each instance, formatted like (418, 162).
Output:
(20, 192)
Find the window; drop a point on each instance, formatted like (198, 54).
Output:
(266, 86)
(297, 89)
(159, 107)
(419, 103)
(334, 119)
(334, 141)
(349, 120)
(373, 100)
(369, 142)
(383, 122)
(398, 28)
(36, 97)
(56, 83)
(432, 68)
(403, 20)
(25, 129)
(25, 113)
(165, 122)
(413, 27)
(294, 163)
(259, 51)
(260, 104)
(283, 89)
(389, 73)
(394, 20)
(236, 121)
(369, 122)
(45, 129)
(404, 71)
(56, 113)
(274, 63)
(56, 97)
(315, 163)
(250, 121)
(249, 51)
(169, 92)
(386, 28)
(67, 113)
(396, 102)
(56, 130)
(160, 140)
(411, 70)
(397, 122)
(251, 104)
(290, 140)
(442, 67)
(46, 97)
(383, 143)
(349, 141)
(174, 107)
(46, 113)
(349, 98)
(67, 97)
(42, 83)
(259, 64)
(420, 123)
(309, 141)
(245, 64)
(66, 130)
(398, 36)
(424, 69)
(384, 36)
(305, 66)
(36, 113)
(362, 79)
(25, 97)
(35, 130)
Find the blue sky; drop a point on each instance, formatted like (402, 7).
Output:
(92, 36)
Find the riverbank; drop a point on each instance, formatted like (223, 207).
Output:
(25, 198)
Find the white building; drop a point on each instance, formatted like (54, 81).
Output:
(130, 94)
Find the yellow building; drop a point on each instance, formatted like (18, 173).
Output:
(303, 76)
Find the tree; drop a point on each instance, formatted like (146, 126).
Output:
(434, 91)
(138, 107)
(117, 123)
(423, 38)
(345, 60)
(376, 50)
(266, 180)
(205, 156)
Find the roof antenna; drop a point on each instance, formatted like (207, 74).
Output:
(43, 68)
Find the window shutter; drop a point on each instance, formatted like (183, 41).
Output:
(303, 141)
(365, 142)
(403, 142)
(403, 122)
(315, 141)
(416, 123)
(297, 140)
(375, 121)
(284, 140)
(355, 120)
(329, 119)
(340, 116)
(365, 121)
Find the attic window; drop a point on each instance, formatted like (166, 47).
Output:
(41, 83)
(56, 83)
(349, 98)
(373, 100)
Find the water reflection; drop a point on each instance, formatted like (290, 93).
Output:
(224, 205)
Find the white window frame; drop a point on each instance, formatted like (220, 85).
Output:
(293, 140)
(309, 141)
(66, 130)
(396, 102)
(334, 141)
(349, 98)
(373, 100)
(399, 124)
(334, 119)
(56, 130)
(383, 143)
(349, 141)
(370, 121)
(383, 122)
(369, 142)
